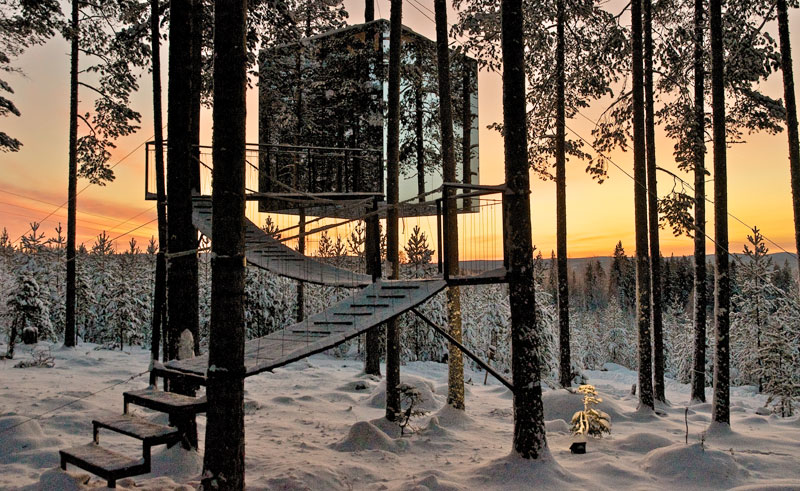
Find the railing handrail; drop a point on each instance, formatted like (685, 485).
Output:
(289, 146)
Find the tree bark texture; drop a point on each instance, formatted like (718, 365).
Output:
(160, 293)
(791, 118)
(565, 369)
(419, 129)
(369, 10)
(182, 299)
(224, 449)
(72, 185)
(699, 147)
(393, 197)
(529, 434)
(455, 360)
(372, 251)
(652, 208)
(722, 292)
(640, 212)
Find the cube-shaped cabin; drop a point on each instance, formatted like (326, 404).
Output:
(323, 125)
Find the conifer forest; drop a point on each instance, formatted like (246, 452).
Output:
(399, 244)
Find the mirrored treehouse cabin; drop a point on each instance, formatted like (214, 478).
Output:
(322, 120)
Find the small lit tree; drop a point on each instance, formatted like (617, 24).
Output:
(590, 421)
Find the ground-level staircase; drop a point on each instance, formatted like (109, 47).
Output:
(111, 465)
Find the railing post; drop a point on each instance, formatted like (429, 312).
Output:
(147, 169)
(445, 228)
(439, 234)
(372, 245)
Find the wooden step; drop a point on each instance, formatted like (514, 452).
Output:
(103, 462)
(166, 402)
(141, 429)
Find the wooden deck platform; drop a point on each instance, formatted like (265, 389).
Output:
(368, 308)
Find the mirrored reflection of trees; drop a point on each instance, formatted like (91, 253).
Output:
(329, 91)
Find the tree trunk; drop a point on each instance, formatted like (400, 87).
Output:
(530, 441)
(466, 129)
(182, 301)
(418, 128)
(640, 212)
(722, 300)
(455, 361)
(791, 118)
(369, 10)
(565, 369)
(160, 293)
(372, 251)
(224, 449)
(392, 194)
(72, 186)
(699, 151)
(301, 248)
(652, 208)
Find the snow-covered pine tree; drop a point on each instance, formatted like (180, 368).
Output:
(418, 252)
(753, 304)
(27, 313)
(125, 321)
(779, 370)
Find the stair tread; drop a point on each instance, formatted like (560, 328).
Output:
(137, 427)
(103, 459)
(166, 401)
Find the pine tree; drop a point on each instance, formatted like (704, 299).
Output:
(418, 252)
(223, 462)
(24, 24)
(779, 359)
(791, 114)
(722, 291)
(530, 441)
(26, 310)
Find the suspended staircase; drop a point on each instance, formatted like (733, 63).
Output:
(371, 306)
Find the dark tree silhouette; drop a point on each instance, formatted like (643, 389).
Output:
(640, 211)
(455, 361)
(393, 197)
(565, 370)
(652, 207)
(72, 179)
(698, 147)
(160, 287)
(530, 441)
(224, 449)
(722, 292)
(791, 116)
(182, 281)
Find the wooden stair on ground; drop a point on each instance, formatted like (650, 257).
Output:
(113, 466)
(265, 252)
(352, 316)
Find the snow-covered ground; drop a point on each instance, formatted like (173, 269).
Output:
(316, 425)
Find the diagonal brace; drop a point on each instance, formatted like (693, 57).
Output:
(465, 350)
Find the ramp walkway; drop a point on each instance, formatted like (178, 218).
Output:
(272, 255)
(352, 316)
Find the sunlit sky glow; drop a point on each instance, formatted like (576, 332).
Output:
(33, 181)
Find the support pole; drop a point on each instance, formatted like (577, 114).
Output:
(464, 350)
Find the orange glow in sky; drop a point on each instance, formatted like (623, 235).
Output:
(33, 181)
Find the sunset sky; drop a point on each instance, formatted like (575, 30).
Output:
(33, 181)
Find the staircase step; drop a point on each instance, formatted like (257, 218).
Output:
(141, 429)
(103, 462)
(166, 402)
